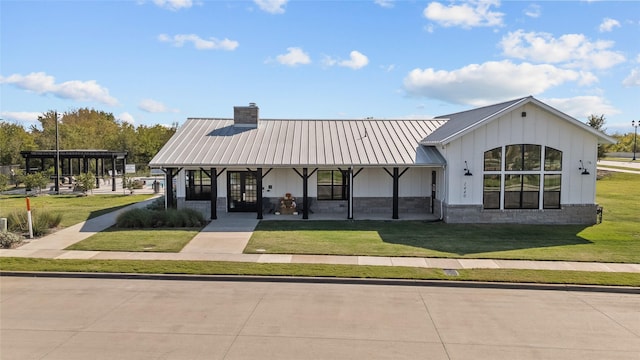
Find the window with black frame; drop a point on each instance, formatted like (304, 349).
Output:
(198, 185)
(516, 179)
(332, 185)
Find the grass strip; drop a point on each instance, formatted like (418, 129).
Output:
(144, 240)
(318, 270)
(74, 209)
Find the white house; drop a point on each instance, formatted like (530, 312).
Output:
(520, 161)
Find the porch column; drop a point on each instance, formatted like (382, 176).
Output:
(350, 195)
(305, 193)
(396, 178)
(259, 192)
(97, 175)
(214, 193)
(305, 190)
(124, 171)
(169, 188)
(113, 173)
(27, 164)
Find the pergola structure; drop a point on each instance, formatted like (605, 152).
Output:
(75, 162)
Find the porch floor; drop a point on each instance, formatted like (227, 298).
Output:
(343, 216)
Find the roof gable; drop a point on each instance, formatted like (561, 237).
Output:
(461, 123)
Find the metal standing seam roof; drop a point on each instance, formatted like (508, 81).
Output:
(208, 142)
(460, 122)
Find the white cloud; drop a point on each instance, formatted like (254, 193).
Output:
(571, 50)
(272, 6)
(533, 10)
(174, 5)
(580, 107)
(42, 83)
(467, 15)
(152, 106)
(385, 3)
(357, 60)
(482, 84)
(608, 25)
(20, 116)
(126, 117)
(294, 56)
(199, 43)
(633, 79)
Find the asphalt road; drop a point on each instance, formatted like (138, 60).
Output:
(67, 318)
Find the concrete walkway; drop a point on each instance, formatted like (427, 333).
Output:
(633, 167)
(225, 239)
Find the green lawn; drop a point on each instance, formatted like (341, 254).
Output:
(153, 240)
(617, 239)
(322, 270)
(75, 209)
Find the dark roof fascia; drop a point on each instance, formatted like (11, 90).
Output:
(75, 153)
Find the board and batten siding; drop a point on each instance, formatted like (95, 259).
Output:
(370, 182)
(539, 127)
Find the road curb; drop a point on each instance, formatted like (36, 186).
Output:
(329, 280)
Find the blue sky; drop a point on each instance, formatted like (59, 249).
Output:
(161, 61)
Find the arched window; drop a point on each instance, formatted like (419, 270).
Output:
(515, 174)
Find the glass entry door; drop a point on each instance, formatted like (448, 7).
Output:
(242, 191)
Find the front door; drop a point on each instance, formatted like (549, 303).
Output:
(242, 191)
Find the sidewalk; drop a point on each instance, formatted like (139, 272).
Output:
(225, 239)
(634, 167)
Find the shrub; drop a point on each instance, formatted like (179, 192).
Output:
(42, 221)
(9, 240)
(135, 218)
(157, 204)
(172, 218)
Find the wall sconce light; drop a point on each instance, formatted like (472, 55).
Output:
(466, 169)
(583, 169)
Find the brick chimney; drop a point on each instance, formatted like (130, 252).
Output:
(245, 116)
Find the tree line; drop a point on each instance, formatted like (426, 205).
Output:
(83, 129)
(98, 130)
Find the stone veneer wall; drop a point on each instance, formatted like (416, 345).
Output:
(203, 206)
(568, 214)
(361, 205)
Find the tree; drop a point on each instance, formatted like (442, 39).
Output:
(149, 141)
(597, 122)
(45, 135)
(86, 182)
(13, 139)
(36, 181)
(4, 182)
